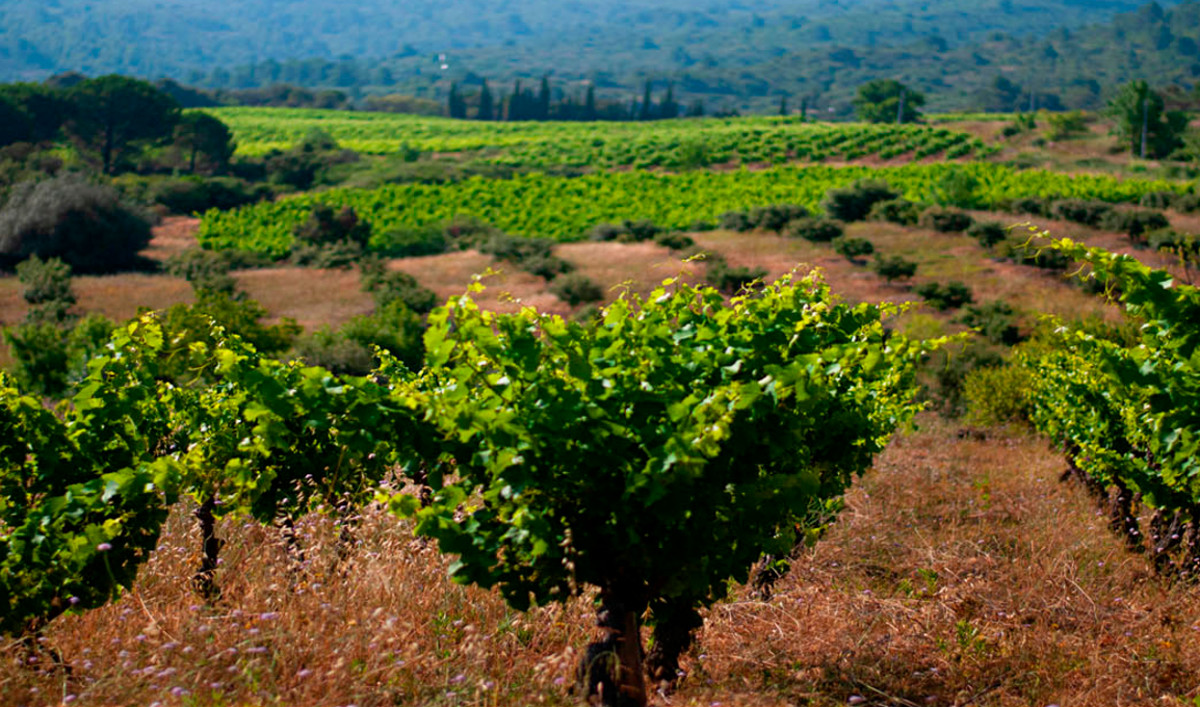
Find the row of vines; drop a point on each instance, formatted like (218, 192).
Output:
(649, 456)
(566, 208)
(1124, 404)
(666, 144)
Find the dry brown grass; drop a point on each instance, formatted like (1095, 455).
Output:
(1033, 603)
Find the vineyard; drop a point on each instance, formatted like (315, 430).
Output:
(668, 144)
(522, 205)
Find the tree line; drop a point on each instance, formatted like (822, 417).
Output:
(523, 103)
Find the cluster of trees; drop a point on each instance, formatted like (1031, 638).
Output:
(112, 118)
(525, 104)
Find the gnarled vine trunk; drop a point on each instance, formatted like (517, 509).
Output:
(672, 636)
(210, 549)
(611, 670)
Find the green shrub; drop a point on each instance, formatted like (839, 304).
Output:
(325, 227)
(1159, 200)
(1135, 223)
(49, 359)
(191, 195)
(1188, 203)
(350, 349)
(675, 240)
(85, 225)
(853, 248)
(576, 289)
(204, 269)
(997, 395)
(853, 203)
(988, 233)
(817, 230)
(1088, 213)
(1034, 205)
(46, 288)
(389, 286)
(894, 267)
(942, 297)
(736, 221)
(775, 217)
(340, 254)
(727, 279)
(899, 211)
(1168, 240)
(945, 220)
(413, 242)
(996, 321)
(1028, 253)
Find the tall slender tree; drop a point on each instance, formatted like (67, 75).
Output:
(543, 100)
(589, 104)
(487, 104)
(456, 106)
(647, 110)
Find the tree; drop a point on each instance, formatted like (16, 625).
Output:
(1143, 123)
(43, 107)
(455, 105)
(543, 100)
(669, 108)
(201, 134)
(114, 114)
(487, 104)
(15, 125)
(589, 104)
(880, 102)
(647, 109)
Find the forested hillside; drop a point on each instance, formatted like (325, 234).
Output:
(739, 52)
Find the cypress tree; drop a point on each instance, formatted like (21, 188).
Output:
(456, 106)
(589, 106)
(783, 106)
(543, 106)
(647, 111)
(486, 104)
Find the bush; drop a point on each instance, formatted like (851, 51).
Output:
(817, 230)
(736, 221)
(1089, 213)
(1158, 200)
(894, 267)
(46, 288)
(1188, 203)
(1183, 245)
(414, 241)
(943, 297)
(702, 226)
(626, 232)
(190, 195)
(951, 369)
(1027, 253)
(997, 395)
(325, 227)
(340, 254)
(576, 289)
(1136, 223)
(605, 232)
(463, 232)
(945, 220)
(853, 203)
(853, 248)
(899, 211)
(988, 233)
(85, 225)
(675, 240)
(350, 350)
(389, 286)
(204, 269)
(49, 359)
(1034, 205)
(775, 217)
(996, 321)
(730, 280)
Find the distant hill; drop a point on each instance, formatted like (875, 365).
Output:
(190, 38)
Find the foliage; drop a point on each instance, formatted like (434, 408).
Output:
(200, 135)
(949, 296)
(82, 497)
(854, 203)
(1064, 126)
(115, 115)
(988, 233)
(350, 350)
(997, 395)
(945, 220)
(853, 248)
(996, 321)
(817, 230)
(46, 288)
(87, 226)
(388, 286)
(672, 201)
(655, 452)
(898, 211)
(1136, 107)
(576, 289)
(1135, 223)
(894, 267)
(192, 195)
(888, 101)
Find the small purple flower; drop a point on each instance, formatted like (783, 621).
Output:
(73, 601)
(178, 691)
(104, 547)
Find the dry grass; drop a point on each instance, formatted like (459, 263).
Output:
(962, 572)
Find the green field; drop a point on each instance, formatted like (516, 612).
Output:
(668, 144)
(565, 208)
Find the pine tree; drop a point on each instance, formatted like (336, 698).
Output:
(647, 111)
(589, 106)
(543, 104)
(456, 106)
(669, 108)
(783, 106)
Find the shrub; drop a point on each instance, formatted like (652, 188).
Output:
(988, 233)
(775, 217)
(996, 321)
(817, 230)
(1089, 213)
(943, 297)
(894, 267)
(1136, 223)
(325, 227)
(350, 349)
(1159, 200)
(735, 221)
(576, 289)
(340, 254)
(49, 359)
(46, 288)
(1188, 203)
(1034, 205)
(413, 241)
(730, 280)
(190, 195)
(204, 269)
(675, 240)
(1183, 245)
(899, 211)
(468, 232)
(546, 266)
(1027, 253)
(945, 220)
(702, 226)
(998, 394)
(605, 232)
(85, 225)
(853, 203)
(853, 248)
(388, 286)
